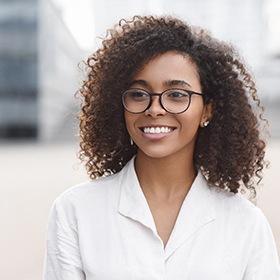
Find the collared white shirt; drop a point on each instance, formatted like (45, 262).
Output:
(104, 230)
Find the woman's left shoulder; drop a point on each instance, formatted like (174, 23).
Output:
(236, 205)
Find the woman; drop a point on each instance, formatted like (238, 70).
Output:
(167, 121)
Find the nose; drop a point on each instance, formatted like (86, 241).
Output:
(155, 109)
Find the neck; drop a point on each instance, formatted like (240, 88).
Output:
(165, 178)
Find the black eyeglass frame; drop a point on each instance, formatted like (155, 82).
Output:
(206, 97)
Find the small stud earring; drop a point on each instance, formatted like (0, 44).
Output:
(131, 142)
(206, 123)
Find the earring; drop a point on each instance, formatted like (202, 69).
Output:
(206, 123)
(131, 142)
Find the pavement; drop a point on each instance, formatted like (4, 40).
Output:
(34, 174)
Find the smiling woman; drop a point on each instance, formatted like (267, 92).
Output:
(169, 136)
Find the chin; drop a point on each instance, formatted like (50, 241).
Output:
(155, 153)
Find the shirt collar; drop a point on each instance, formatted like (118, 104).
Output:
(133, 203)
(196, 211)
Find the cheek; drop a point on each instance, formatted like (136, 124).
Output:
(192, 116)
(129, 121)
(189, 125)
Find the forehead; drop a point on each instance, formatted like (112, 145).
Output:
(169, 66)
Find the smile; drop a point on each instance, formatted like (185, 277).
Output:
(157, 130)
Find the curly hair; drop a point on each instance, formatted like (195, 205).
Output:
(229, 152)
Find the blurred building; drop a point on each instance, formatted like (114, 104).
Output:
(18, 69)
(38, 71)
(59, 76)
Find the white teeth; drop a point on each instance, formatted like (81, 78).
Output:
(154, 130)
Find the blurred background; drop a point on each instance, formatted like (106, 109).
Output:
(42, 43)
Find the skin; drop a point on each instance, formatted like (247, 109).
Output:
(164, 162)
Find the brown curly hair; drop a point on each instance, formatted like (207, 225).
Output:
(229, 152)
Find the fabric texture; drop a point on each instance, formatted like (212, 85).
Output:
(104, 230)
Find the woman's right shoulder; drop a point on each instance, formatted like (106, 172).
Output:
(99, 192)
(90, 190)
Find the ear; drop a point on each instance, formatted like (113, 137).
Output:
(207, 114)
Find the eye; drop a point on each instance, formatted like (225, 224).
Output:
(137, 95)
(176, 94)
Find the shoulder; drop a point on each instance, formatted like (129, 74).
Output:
(239, 217)
(101, 194)
(92, 192)
(226, 204)
(242, 224)
(236, 208)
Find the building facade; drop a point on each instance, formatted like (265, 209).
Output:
(18, 69)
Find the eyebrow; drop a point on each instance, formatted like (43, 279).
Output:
(140, 82)
(177, 83)
(165, 83)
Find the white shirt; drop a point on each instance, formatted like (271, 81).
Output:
(104, 230)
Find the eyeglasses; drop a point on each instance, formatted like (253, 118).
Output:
(174, 101)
